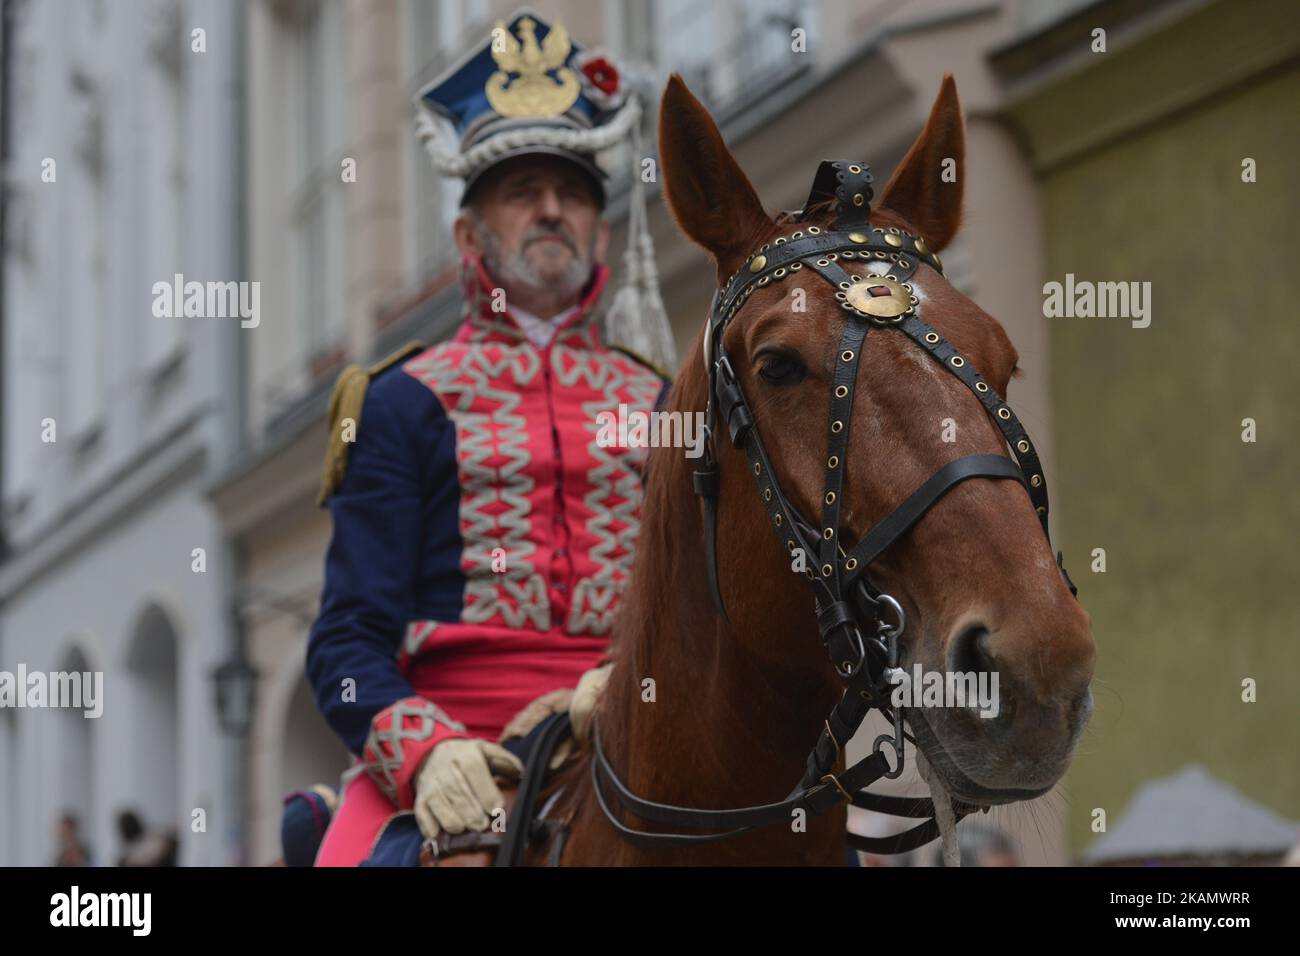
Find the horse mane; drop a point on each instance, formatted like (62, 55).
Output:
(669, 512)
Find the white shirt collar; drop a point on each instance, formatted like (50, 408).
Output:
(540, 331)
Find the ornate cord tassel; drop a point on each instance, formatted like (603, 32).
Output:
(943, 812)
(636, 319)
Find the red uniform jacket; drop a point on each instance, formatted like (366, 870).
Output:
(482, 535)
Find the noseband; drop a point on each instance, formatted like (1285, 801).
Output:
(860, 625)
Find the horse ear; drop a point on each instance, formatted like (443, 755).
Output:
(707, 191)
(926, 189)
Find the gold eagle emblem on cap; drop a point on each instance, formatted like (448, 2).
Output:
(532, 94)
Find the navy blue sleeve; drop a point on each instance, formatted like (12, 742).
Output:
(373, 562)
(663, 395)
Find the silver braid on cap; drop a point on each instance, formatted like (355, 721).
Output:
(449, 161)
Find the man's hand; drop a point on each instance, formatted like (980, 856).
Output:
(454, 790)
(590, 686)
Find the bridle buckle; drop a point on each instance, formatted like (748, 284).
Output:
(835, 782)
(722, 368)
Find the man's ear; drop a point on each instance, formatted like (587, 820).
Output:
(465, 232)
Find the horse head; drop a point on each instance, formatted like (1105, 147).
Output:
(974, 573)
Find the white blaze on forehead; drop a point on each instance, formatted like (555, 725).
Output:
(924, 361)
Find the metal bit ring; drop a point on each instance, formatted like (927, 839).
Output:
(894, 630)
(898, 754)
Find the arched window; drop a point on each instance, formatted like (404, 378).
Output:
(151, 682)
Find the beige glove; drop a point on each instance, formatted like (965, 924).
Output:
(454, 790)
(590, 686)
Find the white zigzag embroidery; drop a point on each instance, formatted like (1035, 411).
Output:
(379, 763)
(617, 474)
(465, 374)
(417, 632)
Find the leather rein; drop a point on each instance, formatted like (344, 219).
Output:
(860, 625)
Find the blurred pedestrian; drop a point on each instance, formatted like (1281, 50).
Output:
(142, 847)
(72, 852)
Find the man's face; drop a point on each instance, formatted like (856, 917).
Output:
(536, 223)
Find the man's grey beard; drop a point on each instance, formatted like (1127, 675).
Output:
(516, 270)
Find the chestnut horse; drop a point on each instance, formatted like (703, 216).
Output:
(737, 705)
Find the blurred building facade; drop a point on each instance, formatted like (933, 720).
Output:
(118, 174)
(1170, 159)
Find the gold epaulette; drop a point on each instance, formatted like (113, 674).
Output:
(642, 360)
(346, 401)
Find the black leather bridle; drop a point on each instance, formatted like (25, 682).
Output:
(845, 596)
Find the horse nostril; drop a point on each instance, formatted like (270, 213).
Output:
(1081, 707)
(969, 653)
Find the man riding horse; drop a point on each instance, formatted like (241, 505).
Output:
(481, 534)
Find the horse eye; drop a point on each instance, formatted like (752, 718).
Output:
(781, 368)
